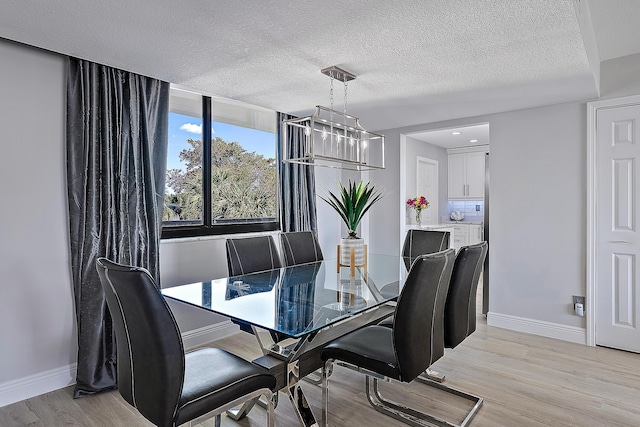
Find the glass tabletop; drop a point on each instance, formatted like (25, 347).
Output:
(298, 300)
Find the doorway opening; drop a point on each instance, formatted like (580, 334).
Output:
(459, 157)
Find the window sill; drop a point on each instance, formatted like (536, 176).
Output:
(217, 230)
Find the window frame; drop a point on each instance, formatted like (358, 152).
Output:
(208, 226)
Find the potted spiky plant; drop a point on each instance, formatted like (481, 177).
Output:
(351, 204)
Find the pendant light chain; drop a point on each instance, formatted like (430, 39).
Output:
(344, 111)
(346, 85)
(331, 75)
(331, 90)
(345, 96)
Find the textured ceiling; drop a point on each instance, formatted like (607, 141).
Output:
(416, 61)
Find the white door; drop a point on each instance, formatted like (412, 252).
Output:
(617, 236)
(427, 186)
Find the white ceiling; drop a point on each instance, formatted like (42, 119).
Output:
(416, 61)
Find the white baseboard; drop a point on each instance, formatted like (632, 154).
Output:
(538, 327)
(204, 335)
(34, 385)
(54, 379)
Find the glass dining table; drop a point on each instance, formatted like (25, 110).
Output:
(295, 311)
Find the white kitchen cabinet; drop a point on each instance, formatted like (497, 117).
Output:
(457, 176)
(466, 175)
(466, 234)
(460, 236)
(475, 234)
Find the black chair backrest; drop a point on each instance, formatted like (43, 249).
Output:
(149, 347)
(252, 254)
(421, 242)
(418, 319)
(460, 309)
(300, 247)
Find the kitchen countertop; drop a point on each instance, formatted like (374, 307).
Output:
(448, 223)
(443, 224)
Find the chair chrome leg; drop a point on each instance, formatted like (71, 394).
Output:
(315, 377)
(239, 413)
(476, 399)
(411, 416)
(239, 408)
(327, 368)
(394, 410)
(263, 401)
(432, 375)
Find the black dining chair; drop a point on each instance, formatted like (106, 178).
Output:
(416, 243)
(167, 386)
(421, 242)
(460, 310)
(459, 315)
(252, 254)
(300, 247)
(405, 350)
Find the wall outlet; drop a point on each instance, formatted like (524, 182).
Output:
(578, 305)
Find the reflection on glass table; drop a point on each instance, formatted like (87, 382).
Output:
(298, 300)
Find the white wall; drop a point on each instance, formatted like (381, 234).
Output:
(538, 212)
(538, 186)
(37, 321)
(329, 223)
(620, 77)
(384, 217)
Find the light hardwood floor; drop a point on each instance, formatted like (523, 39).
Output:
(526, 380)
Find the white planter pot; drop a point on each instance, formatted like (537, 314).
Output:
(345, 250)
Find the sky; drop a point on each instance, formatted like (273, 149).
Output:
(183, 127)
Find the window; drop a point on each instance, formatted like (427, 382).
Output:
(221, 167)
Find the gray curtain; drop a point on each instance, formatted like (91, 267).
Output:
(297, 184)
(117, 135)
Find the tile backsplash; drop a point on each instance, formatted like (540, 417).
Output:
(472, 209)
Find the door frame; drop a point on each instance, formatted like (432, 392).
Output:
(592, 202)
